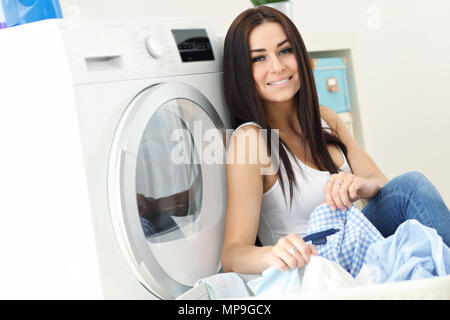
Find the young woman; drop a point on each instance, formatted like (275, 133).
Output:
(269, 84)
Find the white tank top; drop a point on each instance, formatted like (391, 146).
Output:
(276, 220)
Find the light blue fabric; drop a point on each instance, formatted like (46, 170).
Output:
(414, 251)
(276, 282)
(226, 285)
(348, 246)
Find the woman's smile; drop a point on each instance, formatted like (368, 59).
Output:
(280, 83)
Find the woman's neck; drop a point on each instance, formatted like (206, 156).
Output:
(282, 116)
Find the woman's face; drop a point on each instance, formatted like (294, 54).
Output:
(275, 69)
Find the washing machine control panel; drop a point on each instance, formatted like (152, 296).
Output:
(193, 44)
(103, 50)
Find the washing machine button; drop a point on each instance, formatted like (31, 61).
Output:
(154, 46)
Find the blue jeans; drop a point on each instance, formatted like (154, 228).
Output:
(409, 196)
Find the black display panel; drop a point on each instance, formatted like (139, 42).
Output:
(193, 45)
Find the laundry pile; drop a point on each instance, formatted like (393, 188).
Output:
(413, 252)
(355, 255)
(349, 245)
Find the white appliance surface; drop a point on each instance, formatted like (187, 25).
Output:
(76, 101)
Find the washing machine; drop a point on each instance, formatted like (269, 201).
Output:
(149, 105)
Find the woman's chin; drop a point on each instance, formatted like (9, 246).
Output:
(280, 98)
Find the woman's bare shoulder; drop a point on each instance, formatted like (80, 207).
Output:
(247, 130)
(248, 127)
(329, 116)
(246, 143)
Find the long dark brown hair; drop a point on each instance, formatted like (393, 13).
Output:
(245, 103)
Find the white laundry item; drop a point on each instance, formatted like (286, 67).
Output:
(322, 274)
(364, 276)
(318, 275)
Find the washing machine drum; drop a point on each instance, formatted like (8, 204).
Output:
(167, 188)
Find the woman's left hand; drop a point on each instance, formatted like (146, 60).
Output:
(344, 188)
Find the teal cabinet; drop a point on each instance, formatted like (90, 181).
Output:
(331, 83)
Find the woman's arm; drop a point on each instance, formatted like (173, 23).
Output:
(367, 178)
(244, 196)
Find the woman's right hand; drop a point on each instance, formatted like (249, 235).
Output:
(290, 252)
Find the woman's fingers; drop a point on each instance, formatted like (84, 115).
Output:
(288, 258)
(336, 191)
(279, 264)
(291, 252)
(301, 247)
(336, 195)
(353, 189)
(344, 190)
(327, 192)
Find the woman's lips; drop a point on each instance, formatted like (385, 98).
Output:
(280, 83)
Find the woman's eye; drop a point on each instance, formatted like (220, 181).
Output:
(286, 51)
(258, 58)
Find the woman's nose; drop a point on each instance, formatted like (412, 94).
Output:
(277, 65)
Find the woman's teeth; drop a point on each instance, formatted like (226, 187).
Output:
(279, 82)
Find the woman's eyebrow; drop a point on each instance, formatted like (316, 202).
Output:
(280, 44)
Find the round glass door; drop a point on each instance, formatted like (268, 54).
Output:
(167, 187)
(168, 174)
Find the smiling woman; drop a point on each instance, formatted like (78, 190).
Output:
(274, 83)
(275, 69)
(269, 85)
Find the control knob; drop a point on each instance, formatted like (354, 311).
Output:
(154, 46)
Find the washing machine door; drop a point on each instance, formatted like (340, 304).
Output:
(167, 188)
